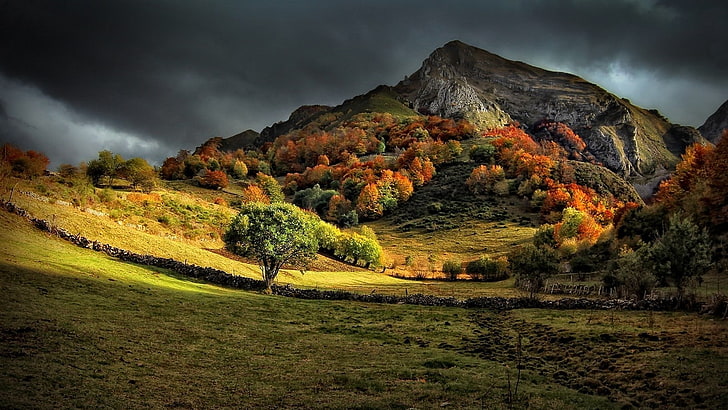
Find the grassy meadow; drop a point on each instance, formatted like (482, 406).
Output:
(80, 329)
(139, 231)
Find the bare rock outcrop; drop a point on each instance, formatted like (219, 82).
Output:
(461, 81)
(714, 126)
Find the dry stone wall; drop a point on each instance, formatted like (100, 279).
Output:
(222, 278)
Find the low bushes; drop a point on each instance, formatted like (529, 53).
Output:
(487, 269)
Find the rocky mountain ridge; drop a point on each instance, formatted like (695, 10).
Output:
(458, 80)
(462, 81)
(713, 127)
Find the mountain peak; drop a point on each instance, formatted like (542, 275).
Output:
(462, 81)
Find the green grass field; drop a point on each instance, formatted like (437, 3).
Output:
(145, 236)
(80, 329)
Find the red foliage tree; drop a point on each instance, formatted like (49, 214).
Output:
(214, 179)
(172, 169)
(25, 164)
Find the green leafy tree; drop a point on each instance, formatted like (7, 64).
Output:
(240, 170)
(314, 199)
(452, 268)
(104, 168)
(139, 173)
(348, 219)
(532, 266)
(631, 277)
(488, 269)
(274, 235)
(482, 153)
(327, 236)
(681, 254)
(358, 249)
(271, 187)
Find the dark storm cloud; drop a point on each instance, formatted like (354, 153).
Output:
(164, 75)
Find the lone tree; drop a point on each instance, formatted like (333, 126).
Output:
(139, 173)
(274, 235)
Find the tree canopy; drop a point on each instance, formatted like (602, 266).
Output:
(274, 235)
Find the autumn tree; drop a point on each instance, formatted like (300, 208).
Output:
(172, 169)
(32, 164)
(213, 179)
(687, 184)
(274, 235)
(254, 193)
(239, 169)
(27, 164)
(483, 178)
(338, 207)
(271, 187)
(368, 203)
(715, 200)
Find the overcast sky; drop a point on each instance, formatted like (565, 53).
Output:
(148, 78)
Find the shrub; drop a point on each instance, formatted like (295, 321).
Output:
(631, 278)
(409, 260)
(452, 268)
(482, 153)
(502, 188)
(106, 195)
(348, 219)
(487, 269)
(544, 236)
(434, 207)
(139, 198)
(485, 179)
(532, 266)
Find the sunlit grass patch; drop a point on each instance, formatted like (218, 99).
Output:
(79, 329)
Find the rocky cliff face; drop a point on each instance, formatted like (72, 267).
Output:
(458, 80)
(715, 124)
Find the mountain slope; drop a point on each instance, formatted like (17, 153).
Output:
(458, 80)
(715, 124)
(245, 140)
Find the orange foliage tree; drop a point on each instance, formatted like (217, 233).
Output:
(690, 175)
(715, 199)
(483, 178)
(254, 193)
(368, 203)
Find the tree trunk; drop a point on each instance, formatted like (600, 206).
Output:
(269, 275)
